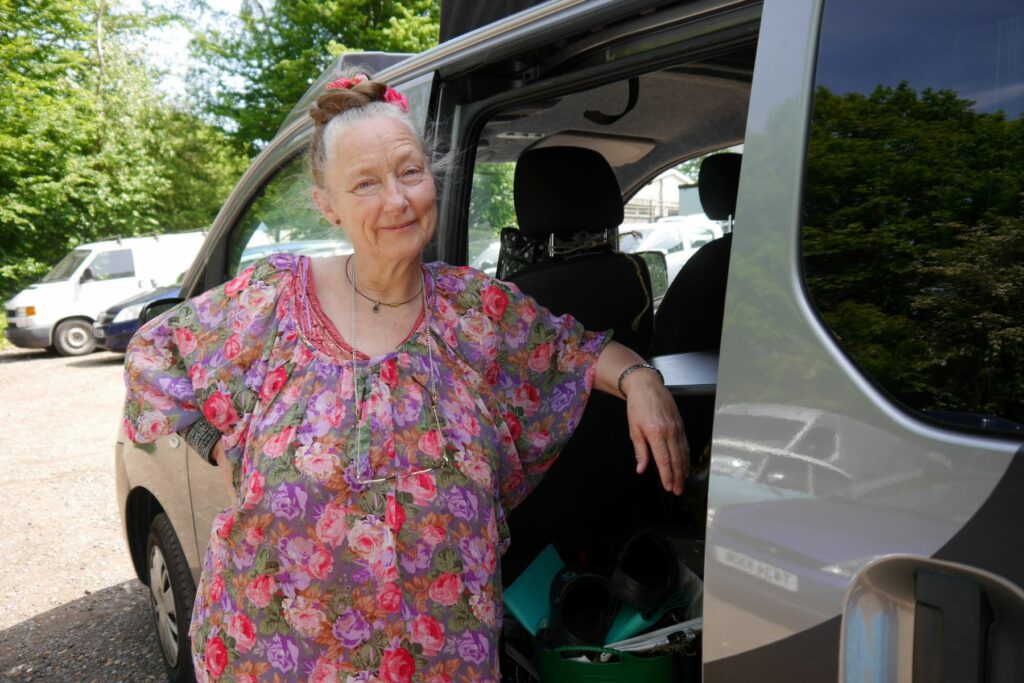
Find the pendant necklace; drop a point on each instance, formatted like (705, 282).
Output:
(377, 304)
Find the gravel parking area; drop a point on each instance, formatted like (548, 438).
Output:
(73, 609)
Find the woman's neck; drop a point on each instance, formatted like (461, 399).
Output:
(391, 282)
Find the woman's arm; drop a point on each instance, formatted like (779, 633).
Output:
(655, 425)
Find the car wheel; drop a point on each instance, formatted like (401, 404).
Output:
(74, 338)
(172, 593)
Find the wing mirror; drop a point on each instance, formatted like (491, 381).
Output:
(658, 268)
(155, 309)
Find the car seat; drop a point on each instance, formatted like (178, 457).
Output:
(691, 312)
(569, 207)
(568, 203)
(690, 315)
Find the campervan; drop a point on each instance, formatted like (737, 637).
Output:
(58, 311)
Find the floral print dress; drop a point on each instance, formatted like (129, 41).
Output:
(351, 554)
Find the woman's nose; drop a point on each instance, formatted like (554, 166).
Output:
(394, 193)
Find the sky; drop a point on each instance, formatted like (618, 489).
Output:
(167, 48)
(973, 48)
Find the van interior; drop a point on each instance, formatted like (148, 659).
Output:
(569, 158)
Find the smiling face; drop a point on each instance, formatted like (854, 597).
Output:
(378, 187)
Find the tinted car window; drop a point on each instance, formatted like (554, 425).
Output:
(110, 265)
(913, 235)
(67, 265)
(283, 218)
(491, 208)
(700, 238)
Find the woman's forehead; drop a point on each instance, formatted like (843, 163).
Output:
(376, 143)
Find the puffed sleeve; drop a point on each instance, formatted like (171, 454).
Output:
(542, 369)
(204, 358)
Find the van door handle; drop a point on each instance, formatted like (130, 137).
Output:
(952, 617)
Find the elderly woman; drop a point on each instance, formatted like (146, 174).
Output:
(379, 417)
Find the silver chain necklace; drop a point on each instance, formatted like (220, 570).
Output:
(363, 459)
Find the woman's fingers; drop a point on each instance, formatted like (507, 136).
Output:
(679, 455)
(640, 447)
(656, 430)
(668, 447)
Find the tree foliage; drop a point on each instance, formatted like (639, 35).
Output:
(88, 148)
(256, 68)
(491, 204)
(914, 240)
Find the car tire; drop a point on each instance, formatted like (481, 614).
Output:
(74, 338)
(172, 593)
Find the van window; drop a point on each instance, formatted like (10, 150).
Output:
(283, 218)
(67, 266)
(913, 234)
(491, 208)
(110, 265)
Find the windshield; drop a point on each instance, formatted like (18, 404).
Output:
(67, 266)
(662, 240)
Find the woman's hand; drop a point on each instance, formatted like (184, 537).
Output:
(656, 428)
(654, 422)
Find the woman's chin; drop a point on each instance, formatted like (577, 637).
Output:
(402, 250)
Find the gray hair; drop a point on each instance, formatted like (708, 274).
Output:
(338, 110)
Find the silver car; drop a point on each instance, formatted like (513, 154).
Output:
(858, 383)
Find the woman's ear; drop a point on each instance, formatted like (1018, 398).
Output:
(323, 202)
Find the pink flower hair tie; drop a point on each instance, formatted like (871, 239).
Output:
(391, 96)
(347, 83)
(396, 98)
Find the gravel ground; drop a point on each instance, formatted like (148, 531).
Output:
(73, 608)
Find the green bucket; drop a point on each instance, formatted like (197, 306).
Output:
(557, 666)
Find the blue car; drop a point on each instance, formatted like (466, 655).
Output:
(116, 325)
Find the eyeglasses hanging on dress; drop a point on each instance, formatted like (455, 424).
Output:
(363, 465)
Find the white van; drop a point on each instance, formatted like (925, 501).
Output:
(58, 311)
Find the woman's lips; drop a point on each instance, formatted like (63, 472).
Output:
(399, 227)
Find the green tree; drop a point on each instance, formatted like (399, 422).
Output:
(913, 239)
(491, 204)
(88, 148)
(253, 71)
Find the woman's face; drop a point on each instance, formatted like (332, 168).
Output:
(379, 187)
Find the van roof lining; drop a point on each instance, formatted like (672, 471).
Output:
(708, 101)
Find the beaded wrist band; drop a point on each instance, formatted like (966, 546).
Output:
(638, 366)
(202, 436)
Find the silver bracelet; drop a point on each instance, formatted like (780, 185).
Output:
(638, 366)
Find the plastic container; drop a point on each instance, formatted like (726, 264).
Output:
(559, 666)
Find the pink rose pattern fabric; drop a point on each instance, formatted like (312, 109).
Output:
(313, 575)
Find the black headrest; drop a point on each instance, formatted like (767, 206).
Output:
(566, 190)
(718, 183)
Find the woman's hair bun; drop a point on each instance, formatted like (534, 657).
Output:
(338, 100)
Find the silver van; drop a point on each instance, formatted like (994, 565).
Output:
(849, 359)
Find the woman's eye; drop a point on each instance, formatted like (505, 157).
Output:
(412, 174)
(365, 186)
